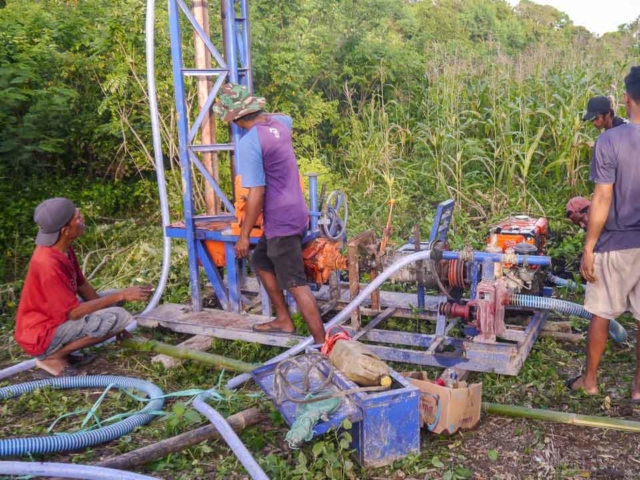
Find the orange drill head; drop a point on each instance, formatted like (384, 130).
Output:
(321, 257)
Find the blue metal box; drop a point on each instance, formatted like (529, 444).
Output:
(386, 425)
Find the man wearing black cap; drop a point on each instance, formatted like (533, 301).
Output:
(611, 254)
(599, 112)
(52, 322)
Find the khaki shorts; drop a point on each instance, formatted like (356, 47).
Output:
(103, 323)
(617, 287)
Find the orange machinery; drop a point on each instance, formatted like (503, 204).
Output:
(321, 256)
(519, 229)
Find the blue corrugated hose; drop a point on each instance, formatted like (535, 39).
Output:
(563, 282)
(616, 331)
(79, 440)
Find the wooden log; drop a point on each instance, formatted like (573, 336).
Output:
(564, 327)
(200, 343)
(180, 352)
(208, 127)
(563, 337)
(135, 458)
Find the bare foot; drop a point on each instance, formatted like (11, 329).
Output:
(580, 384)
(53, 366)
(276, 326)
(635, 391)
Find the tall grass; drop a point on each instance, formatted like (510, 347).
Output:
(497, 134)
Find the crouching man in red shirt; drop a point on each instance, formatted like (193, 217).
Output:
(52, 322)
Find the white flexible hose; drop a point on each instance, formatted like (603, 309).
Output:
(157, 152)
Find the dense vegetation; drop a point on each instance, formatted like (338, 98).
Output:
(415, 101)
(412, 100)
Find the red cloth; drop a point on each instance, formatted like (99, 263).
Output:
(50, 292)
(331, 339)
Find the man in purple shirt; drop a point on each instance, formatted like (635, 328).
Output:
(611, 257)
(269, 170)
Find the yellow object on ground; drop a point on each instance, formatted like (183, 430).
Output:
(359, 364)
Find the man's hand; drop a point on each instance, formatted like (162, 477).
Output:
(587, 266)
(242, 247)
(137, 294)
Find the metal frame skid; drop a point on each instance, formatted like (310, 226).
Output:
(210, 241)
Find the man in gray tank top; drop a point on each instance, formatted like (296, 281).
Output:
(611, 256)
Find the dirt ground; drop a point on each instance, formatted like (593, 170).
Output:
(500, 448)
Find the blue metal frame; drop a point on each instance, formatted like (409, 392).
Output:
(442, 220)
(234, 66)
(181, 110)
(499, 357)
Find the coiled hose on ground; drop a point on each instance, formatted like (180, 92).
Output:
(616, 331)
(76, 441)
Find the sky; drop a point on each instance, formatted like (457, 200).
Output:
(599, 16)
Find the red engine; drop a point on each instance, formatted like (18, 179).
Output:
(520, 229)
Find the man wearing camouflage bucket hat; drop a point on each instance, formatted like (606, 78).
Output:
(269, 169)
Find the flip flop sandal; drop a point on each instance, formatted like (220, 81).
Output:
(67, 372)
(271, 330)
(81, 359)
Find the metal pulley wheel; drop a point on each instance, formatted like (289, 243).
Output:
(335, 213)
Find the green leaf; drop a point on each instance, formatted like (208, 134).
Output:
(346, 424)
(463, 472)
(317, 449)
(192, 416)
(447, 475)
(179, 408)
(493, 455)
(435, 461)
(302, 459)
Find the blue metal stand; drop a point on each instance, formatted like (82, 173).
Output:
(234, 66)
(228, 69)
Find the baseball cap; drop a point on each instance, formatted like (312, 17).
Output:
(235, 101)
(51, 215)
(577, 204)
(595, 106)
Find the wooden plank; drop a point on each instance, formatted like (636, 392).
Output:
(214, 323)
(164, 311)
(400, 312)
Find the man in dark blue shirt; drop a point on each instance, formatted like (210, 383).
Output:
(611, 256)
